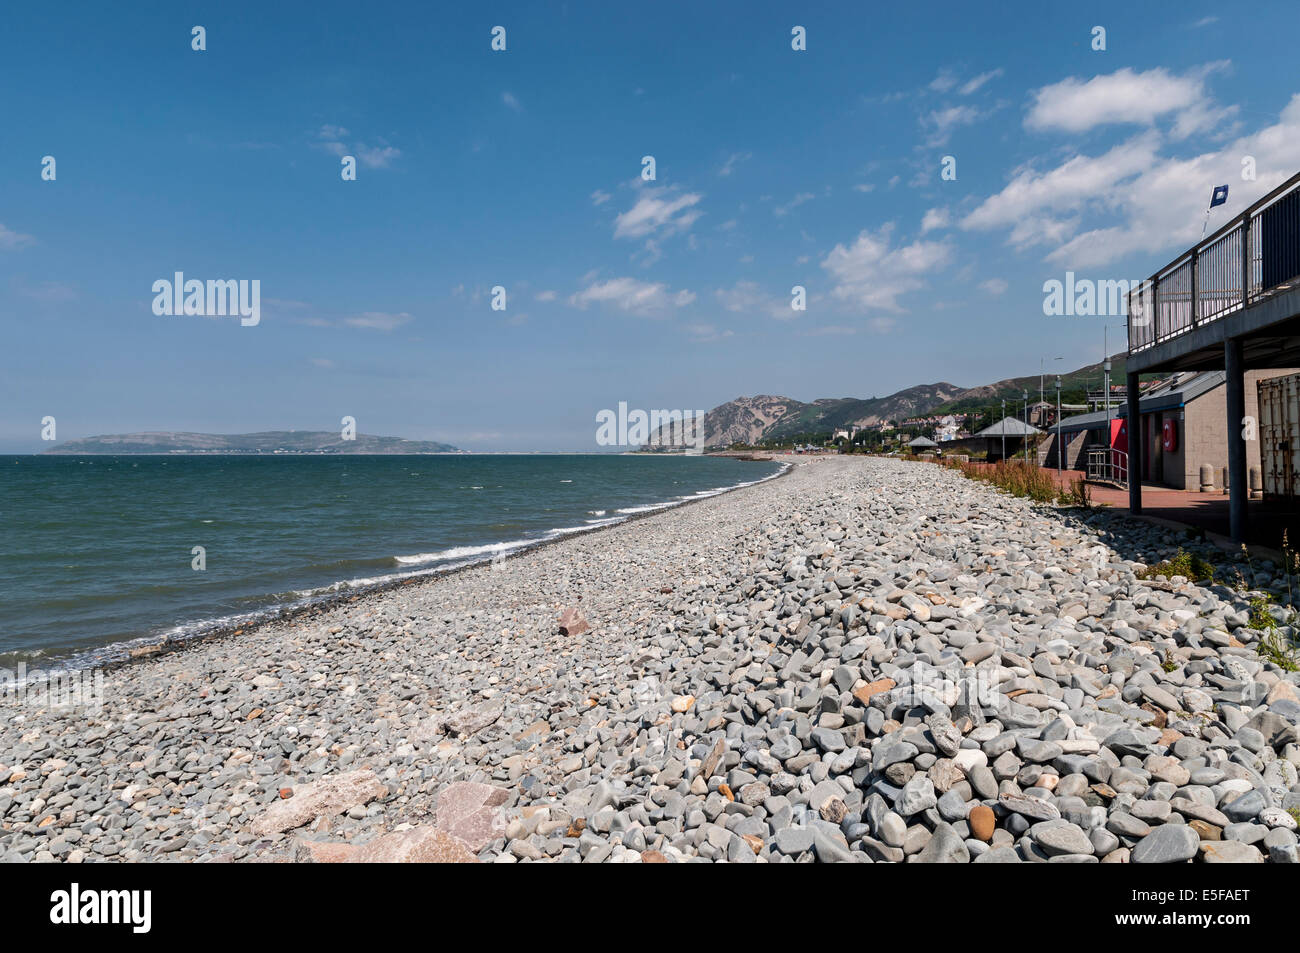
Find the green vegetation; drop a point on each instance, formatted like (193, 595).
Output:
(1276, 647)
(1018, 479)
(1189, 565)
(1076, 494)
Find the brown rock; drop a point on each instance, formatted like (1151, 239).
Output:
(982, 822)
(420, 845)
(1159, 719)
(713, 759)
(682, 703)
(326, 797)
(286, 793)
(572, 622)
(834, 810)
(1168, 737)
(865, 693)
(1282, 691)
(1205, 830)
(536, 728)
(471, 720)
(653, 857)
(325, 852)
(468, 811)
(576, 827)
(725, 791)
(754, 841)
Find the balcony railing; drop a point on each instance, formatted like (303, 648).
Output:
(1253, 257)
(1108, 465)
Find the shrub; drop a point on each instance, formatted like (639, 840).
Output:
(1183, 563)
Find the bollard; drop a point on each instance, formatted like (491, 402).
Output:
(1223, 478)
(1256, 484)
(1207, 478)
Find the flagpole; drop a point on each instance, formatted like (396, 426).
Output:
(1206, 224)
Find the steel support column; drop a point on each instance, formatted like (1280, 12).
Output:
(1134, 426)
(1238, 488)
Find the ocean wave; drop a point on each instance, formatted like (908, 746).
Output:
(461, 552)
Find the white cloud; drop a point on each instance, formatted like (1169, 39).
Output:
(864, 187)
(793, 203)
(658, 211)
(1138, 201)
(945, 81)
(974, 84)
(1044, 207)
(378, 320)
(629, 294)
(705, 333)
(994, 286)
(379, 157)
(333, 138)
(600, 198)
(545, 296)
(940, 123)
(746, 297)
(1128, 97)
(935, 218)
(512, 101)
(734, 159)
(9, 239)
(871, 273)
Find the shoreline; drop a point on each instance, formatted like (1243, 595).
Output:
(866, 661)
(143, 649)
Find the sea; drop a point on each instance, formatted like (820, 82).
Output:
(99, 554)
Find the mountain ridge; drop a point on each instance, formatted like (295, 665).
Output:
(750, 420)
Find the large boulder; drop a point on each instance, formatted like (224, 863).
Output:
(324, 798)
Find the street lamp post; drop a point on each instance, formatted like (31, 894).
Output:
(1060, 450)
(1004, 430)
(1024, 396)
(1041, 373)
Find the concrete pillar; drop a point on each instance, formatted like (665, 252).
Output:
(1207, 478)
(1238, 487)
(1134, 446)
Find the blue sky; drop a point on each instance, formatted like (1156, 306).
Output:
(521, 168)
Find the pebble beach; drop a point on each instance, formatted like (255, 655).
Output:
(866, 660)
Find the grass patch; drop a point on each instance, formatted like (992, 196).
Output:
(1189, 565)
(1076, 494)
(1018, 479)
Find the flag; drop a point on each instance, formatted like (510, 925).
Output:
(1219, 196)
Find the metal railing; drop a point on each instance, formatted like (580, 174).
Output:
(1107, 465)
(1219, 275)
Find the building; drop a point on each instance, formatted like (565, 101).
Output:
(1009, 432)
(1184, 428)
